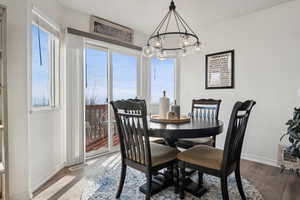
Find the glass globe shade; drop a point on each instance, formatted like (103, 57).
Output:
(197, 46)
(158, 42)
(148, 51)
(184, 52)
(185, 41)
(161, 55)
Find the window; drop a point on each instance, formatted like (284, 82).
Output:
(96, 76)
(124, 76)
(163, 73)
(45, 62)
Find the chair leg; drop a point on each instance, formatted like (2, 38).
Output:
(149, 186)
(122, 179)
(214, 141)
(224, 188)
(176, 178)
(182, 180)
(200, 179)
(171, 173)
(239, 182)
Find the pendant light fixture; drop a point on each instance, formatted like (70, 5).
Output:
(165, 43)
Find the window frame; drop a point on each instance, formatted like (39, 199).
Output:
(54, 71)
(154, 106)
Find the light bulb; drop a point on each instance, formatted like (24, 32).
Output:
(148, 51)
(158, 42)
(185, 41)
(161, 55)
(184, 52)
(197, 46)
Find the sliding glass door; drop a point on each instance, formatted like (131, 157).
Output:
(110, 75)
(96, 100)
(124, 83)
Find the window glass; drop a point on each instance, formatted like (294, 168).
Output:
(41, 68)
(96, 76)
(124, 76)
(162, 79)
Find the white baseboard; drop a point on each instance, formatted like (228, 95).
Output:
(260, 159)
(71, 163)
(44, 179)
(21, 196)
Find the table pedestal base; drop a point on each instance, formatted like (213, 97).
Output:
(159, 183)
(195, 190)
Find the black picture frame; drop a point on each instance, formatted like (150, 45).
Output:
(232, 85)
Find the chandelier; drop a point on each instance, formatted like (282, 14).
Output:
(165, 43)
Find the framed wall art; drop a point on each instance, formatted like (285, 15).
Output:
(111, 30)
(219, 73)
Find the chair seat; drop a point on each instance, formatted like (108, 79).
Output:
(203, 156)
(157, 140)
(162, 154)
(189, 143)
(199, 140)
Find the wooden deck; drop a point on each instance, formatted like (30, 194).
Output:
(96, 118)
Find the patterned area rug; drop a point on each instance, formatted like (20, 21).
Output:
(103, 184)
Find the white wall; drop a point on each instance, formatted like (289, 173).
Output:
(17, 98)
(267, 46)
(46, 136)
(80, 21)
(41, 154)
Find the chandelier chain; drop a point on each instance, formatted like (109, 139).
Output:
(166, 29)
(186, 25)
(161, 23)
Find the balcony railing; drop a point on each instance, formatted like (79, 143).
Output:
(96, 117)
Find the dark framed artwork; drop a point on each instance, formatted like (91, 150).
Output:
(111, 30)
(219, 72)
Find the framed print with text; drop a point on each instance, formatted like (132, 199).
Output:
(219, 73)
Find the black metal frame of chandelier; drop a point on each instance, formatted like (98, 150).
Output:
(173, 33)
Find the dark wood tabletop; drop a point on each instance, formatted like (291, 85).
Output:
(196, 128)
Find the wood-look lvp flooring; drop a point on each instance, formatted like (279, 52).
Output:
(68, 185)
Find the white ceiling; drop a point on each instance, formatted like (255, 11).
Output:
(144, 15)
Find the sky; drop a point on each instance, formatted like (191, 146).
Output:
(162, 79)
(125, 77)
(40, 73)
(124, 74)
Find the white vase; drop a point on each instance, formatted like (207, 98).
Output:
(164, 105)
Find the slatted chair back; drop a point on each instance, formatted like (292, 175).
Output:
(207, 109)
(236, 132)
(131, 119)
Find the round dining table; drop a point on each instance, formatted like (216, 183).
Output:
(196, 128)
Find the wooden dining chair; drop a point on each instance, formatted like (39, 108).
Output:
(217, 162)
(136, 149)
(207, 109)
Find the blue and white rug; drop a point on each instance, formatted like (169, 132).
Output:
(103, 184)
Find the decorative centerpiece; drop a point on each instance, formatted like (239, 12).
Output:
(164, 105)
(169, 117)
(176, 110)
(181, 120)
(290, 155)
